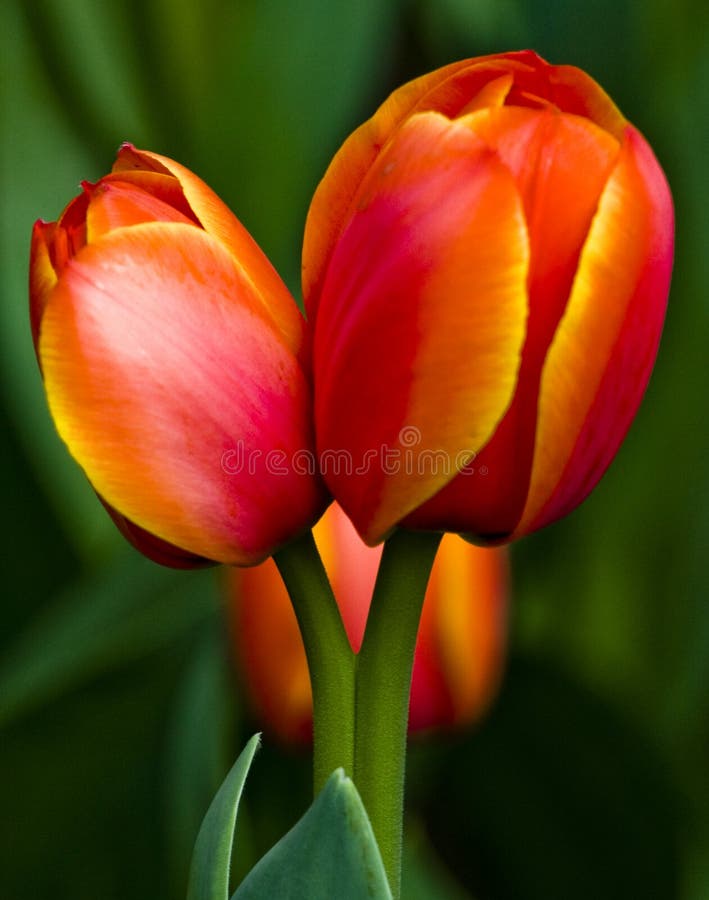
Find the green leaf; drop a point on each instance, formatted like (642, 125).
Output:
(330, 852)
(209, 873)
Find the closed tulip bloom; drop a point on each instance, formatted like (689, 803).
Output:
(486, 269)
(170, 351)
(459, 651)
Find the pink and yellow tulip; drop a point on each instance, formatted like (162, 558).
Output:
(459, 650)
(486, 266)
(168, 346)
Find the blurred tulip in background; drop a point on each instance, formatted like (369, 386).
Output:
(459, 652)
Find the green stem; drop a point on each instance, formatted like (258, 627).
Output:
(384, 668)
(330, 658)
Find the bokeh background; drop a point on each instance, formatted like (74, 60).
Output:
(119, 708)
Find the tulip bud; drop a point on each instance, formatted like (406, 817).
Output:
(461, 639)
(485, 269)
(169, 349)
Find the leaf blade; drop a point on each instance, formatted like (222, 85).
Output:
(330, 852)
(211, 860)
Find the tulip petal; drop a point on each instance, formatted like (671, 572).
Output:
(553, 156)
(115, 204)
(351, 567)
(160, 362)
(491, 96)
(152, 547)
(449, 90)
(469, 587)
(42, 274)
(271, 653)
(600, 360)
(69, 234)
(574, 91)
(520, 78)
(161, 185)
(422, 319)
(462, 637)
(218, 220)
(328, 213)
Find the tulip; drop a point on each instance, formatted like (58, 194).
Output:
(485, 271)
(460, 646)
(171, 356)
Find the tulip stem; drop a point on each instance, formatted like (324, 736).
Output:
(384, 669)
(331, 661)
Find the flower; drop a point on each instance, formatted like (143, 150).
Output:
(486, 267)
(461, 640)
(170, 351)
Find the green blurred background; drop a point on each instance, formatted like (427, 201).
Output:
(119, 709)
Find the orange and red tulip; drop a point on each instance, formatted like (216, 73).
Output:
(170, 351)
(459, 651)
(485, 270)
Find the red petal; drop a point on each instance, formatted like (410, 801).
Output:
(115, 204)
(561, 164)
(448, 90)
(218, 220)
(421, 322)
(160, 363)
(462, 638)
(453, 90)
(601, 358)
(155, 549)
(270, 651)
(42, 274)
(351, 567)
